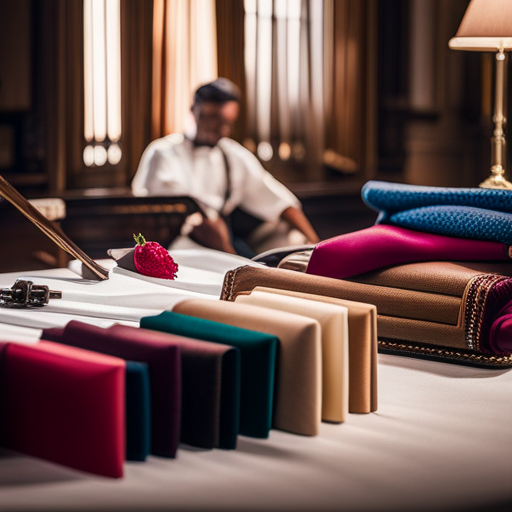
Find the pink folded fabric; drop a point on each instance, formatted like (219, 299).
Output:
(382, 245)
(65, 405)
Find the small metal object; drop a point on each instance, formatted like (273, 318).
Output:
(26, 293)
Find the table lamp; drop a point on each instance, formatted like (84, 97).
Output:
(487, 27)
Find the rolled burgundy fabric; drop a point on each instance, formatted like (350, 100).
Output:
(164, 364)
(500, 335)
(65, 405)
(382, 245)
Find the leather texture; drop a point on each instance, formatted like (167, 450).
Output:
(471, 324)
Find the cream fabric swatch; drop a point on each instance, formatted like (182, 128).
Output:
(362, 348)
(334, 327)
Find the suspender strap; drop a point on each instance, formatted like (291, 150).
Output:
(228, 180)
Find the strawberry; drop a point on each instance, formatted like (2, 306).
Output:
(151, 259)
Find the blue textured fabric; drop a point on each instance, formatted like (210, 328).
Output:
(477, 213)
(458, 221)
(388, 197)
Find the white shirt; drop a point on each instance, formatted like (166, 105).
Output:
(172, 166)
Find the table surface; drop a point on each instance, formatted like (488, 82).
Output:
(440, 440)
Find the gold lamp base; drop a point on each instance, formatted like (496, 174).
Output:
(496, 179)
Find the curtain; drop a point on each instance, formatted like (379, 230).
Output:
(184, 56)
(350, 84)
(307, 69)
(136, 39)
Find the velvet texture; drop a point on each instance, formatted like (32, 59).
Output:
(138, 411)
(258, 359)
(298, 378)
(137, 404)
(65, 405)
(164, 363)
(210, 382)
(210, 386)
(500, 335)
(382, 245)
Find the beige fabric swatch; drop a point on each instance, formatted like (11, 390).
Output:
(362, 322)
(334, 335)
(362, 348)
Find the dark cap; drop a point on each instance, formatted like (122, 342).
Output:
(218, 91)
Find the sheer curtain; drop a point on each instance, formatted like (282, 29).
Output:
(184, 56)
(306, 71)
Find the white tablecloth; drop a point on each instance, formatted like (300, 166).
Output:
(440, 440)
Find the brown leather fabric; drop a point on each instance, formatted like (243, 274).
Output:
(420, 331)
(436, 303)
(451, 277)
(389, 301)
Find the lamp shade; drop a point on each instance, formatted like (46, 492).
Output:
(486, 26)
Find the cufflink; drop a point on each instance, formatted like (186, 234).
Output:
(26, 293)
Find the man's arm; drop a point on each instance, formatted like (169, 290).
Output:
(296, 218)
(213, 234)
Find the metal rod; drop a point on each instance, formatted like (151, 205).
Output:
(498, 143)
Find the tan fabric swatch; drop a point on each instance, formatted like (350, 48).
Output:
(362, 323)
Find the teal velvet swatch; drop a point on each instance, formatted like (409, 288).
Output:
(258, 352)
(138, 411)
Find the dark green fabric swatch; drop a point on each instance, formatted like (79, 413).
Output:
(258, 361)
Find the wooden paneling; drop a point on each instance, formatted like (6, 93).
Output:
(15, 55)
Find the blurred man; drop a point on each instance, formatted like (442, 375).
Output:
(221, 175)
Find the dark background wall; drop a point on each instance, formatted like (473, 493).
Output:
(436, 135)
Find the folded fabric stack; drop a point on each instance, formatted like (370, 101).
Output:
(436, 265)
(183, 367)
